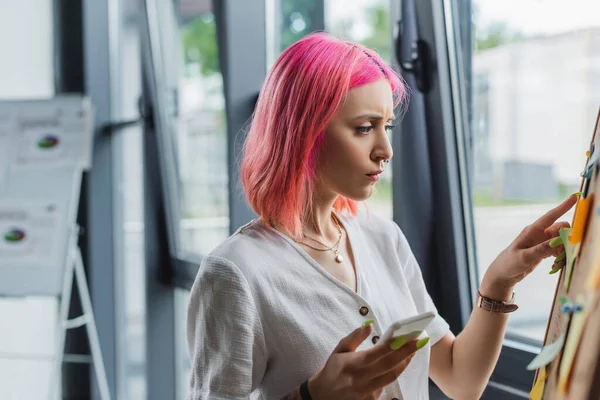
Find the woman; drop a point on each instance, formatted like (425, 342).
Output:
(284, 307)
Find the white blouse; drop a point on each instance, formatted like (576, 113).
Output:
(264, 316)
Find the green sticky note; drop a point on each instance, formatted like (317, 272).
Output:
(547, 354)
(570, 250)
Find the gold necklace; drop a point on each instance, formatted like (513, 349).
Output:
(335, 248)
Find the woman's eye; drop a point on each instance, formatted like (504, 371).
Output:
(389, 127)
(364, 129)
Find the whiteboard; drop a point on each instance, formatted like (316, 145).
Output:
(45, 145)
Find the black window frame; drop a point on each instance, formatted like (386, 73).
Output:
(444, 118)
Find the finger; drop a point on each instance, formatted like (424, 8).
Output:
(554, 230)
(381, 350)
(354, 339)
(551, 216)
(388, 377)
(535, 254)
(392, 359)
(557, 266)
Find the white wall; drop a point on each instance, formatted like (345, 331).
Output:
(27, 326)
(26, 49)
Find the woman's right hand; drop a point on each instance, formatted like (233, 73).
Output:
(351, 374)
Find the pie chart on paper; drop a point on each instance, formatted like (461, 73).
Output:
(48, 142)
(14, 235)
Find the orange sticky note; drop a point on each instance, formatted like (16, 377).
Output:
(580, 219)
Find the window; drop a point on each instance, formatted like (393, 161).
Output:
(202, 133)
(191, 113)
(297, 19)
(532, 118)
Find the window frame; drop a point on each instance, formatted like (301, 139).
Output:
(447, 116)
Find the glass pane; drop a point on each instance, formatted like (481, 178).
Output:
(532, 120)
(202, 135)
(367, 23)
(196, 121)
(27, 67)
(297, 19)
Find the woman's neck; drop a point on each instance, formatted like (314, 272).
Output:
(319, 224)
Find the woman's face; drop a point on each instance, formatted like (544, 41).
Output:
(356, 143)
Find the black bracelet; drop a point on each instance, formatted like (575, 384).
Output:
(304, 393)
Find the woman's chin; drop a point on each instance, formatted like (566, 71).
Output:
(360, 195)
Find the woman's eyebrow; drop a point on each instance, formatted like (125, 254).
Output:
(374, 116)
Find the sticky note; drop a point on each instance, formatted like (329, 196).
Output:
(538, 387)
(571, 251)
(547, 354)
(580, 219)
(571, 344)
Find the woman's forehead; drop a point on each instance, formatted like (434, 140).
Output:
(375, 98)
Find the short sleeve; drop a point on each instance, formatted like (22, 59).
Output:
(224, 332)
(438, 327)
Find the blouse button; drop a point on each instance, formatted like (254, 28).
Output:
(363, 310)
(375, 339)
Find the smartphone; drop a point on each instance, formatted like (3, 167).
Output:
(411, 327)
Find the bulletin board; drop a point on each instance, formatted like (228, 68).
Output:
(568, 366)
(45, 145)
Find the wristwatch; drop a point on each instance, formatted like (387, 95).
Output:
(496, 306)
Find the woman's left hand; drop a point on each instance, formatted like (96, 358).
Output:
(525, 253)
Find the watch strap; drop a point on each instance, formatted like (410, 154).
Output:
(496, 306)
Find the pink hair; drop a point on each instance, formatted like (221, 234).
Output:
(300, 96)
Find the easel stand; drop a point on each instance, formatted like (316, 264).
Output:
(74, 270)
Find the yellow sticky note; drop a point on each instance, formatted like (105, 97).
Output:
(538, 388)
(572, 343)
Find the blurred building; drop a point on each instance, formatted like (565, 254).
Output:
(522, 102)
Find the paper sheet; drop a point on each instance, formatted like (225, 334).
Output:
(28, 234)
(49, 133)
(51, 146)
(4, 153)
(547, 354)
(571, 345)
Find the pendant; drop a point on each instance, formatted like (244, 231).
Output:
(338, 258)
